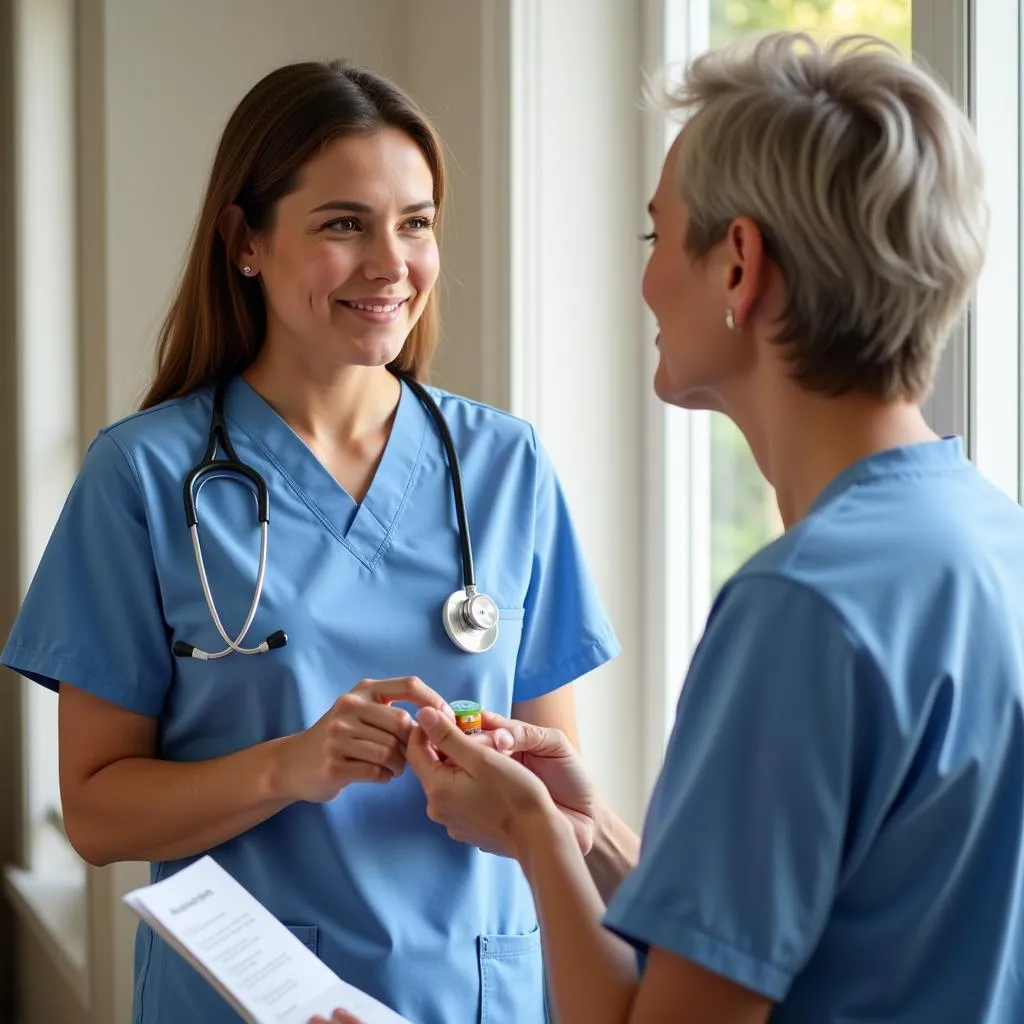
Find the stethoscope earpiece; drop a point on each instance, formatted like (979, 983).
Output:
(180, 649)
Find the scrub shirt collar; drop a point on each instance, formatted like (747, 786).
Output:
(362, 527)
(938, 456)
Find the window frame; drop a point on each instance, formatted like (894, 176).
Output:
(677, 442)
(993, 97)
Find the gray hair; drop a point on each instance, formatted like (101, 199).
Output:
(866, 182)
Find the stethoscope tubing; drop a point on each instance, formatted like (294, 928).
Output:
(471, 629)
(233, 646)
(455, 471)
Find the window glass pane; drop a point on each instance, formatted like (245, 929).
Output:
(743, 512)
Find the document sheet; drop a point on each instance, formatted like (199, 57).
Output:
(260, 967)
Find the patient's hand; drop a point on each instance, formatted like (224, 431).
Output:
(553, 759)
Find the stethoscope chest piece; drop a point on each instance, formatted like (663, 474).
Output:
(471, 620)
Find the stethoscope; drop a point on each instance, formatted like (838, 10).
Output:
(470, 618)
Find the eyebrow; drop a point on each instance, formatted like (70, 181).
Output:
(348, 206)
(650, 208)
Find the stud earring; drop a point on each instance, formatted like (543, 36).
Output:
(730, 319)
(247, 270)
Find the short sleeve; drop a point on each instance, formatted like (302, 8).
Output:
(566, 632)
(744, 838)
(92, 616)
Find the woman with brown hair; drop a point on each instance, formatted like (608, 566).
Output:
(229, 679)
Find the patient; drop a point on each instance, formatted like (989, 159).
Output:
(837, 833)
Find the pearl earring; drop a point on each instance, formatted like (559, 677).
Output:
(730, 319)
(247, 270)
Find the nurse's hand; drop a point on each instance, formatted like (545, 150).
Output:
(361, 738)
(484, 798)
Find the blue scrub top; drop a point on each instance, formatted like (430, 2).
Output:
(440, 931)
(839, 822)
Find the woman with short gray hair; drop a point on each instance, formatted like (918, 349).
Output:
(864, 183)
(837, 833)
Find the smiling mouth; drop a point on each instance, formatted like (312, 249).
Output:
(374, 307)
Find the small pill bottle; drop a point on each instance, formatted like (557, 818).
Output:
(468, 715)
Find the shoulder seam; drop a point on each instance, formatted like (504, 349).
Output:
(140, 491)
(140, 413)
(483, 406)
(127, 456)
(858, 643)
(779, 576)
(842, 499)
(793, 556)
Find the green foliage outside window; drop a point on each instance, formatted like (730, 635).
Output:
(743, 512)
(889, 19)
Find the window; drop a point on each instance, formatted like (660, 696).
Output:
(889, 19)
(715, 508)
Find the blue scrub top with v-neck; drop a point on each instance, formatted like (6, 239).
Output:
(442, 932)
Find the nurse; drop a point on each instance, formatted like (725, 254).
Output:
(310, 279)
(837, 832)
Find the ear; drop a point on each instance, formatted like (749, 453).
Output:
(238, 238)
(744, 266)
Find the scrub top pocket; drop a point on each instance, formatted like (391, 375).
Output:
(511, 967)
(511, 621)
(510, 626)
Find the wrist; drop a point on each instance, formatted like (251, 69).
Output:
(540, 833)
(277, 778)
(602, 819)
(615, 851)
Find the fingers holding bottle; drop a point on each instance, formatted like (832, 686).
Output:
(361, 738)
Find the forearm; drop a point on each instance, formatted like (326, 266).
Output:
(615, 852)
(592, 974)
(150, 810)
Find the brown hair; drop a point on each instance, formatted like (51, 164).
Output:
(217, 321)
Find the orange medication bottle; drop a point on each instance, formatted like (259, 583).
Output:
(468, 715)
